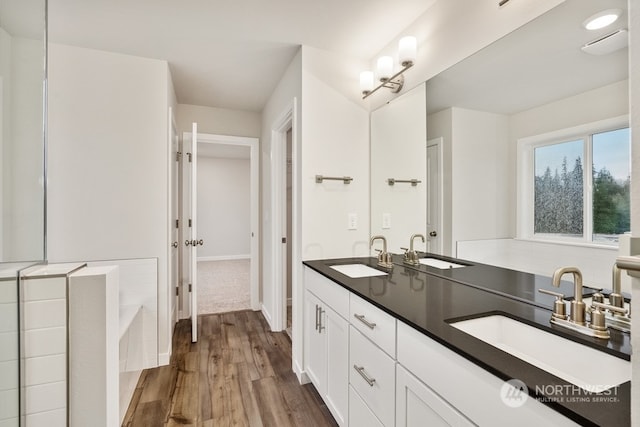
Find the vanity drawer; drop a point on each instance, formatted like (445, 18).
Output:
(332, 294)
(374, 323)
(372, 374)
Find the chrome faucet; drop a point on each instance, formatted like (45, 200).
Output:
(384, 258)
(410, 255)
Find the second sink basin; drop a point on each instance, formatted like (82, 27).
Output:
(578, 364)
(356, 271)
(438, 263)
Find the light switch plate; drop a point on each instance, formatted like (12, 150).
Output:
(353, 222)
(386, 221)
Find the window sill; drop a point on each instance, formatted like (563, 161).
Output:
(566, 243)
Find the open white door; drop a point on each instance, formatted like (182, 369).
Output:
(192, 241)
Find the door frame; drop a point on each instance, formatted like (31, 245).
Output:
(438, 142)
(276, 315)
(253, 144)
(175, 196)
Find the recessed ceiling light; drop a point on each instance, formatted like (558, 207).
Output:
(602, 19)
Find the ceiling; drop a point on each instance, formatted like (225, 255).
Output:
(230, 54)
(539, 63)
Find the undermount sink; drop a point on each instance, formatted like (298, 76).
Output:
(356, 271)
(438, 263)
(578, 364)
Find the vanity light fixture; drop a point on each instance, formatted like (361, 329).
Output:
(407, 52)
(602, 19)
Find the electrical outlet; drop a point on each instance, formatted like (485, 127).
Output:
(386, 221)
(353, 222)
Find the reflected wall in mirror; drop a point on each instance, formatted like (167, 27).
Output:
(22, 130)
(533, 81)
(398, 153)
(22, 159)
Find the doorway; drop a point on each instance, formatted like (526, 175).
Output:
(220, 222)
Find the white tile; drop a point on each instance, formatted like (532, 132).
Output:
(8, 345)
(8, 317)
(56, 418)
(45, 314)
(44, 342)
(45, 397)
(46, 369)
(9, 375)
(9, 403)
(8, 291)
(40, 289)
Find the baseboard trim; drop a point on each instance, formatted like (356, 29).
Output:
(223, 257)
(303, 378)
(164, 359)
(267, 317)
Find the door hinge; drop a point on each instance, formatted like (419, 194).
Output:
(177, 291)
(189, 155)
(189, 287)
(189, 222)
(177, 223)
(284, 240)
(178, 154)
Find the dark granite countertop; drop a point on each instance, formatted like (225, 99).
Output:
(428, 299)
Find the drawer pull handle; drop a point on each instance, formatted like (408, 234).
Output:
(361, 318)
(360, 370)
(320, 326)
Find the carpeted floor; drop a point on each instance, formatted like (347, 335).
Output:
(223, 286)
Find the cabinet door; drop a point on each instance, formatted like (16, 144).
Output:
(359, 412)
(315, 347)
(417, 405)
(337, 395)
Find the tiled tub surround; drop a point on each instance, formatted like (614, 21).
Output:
(424, 304)
(72, 375)
(45, 343)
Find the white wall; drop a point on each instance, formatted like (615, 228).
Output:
(21, 148)
(108, 178)
(399, 151)
(452, 30)
(479, 175)
(335, 142)
(282, 98)
(475, 174)
(224, 221)
(218, 121)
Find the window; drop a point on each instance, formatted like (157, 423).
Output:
(575, 184)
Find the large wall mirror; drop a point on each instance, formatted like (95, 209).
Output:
(22, 130)
(22, 171)
(533, 81)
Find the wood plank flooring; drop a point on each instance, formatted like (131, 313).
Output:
(237, 374)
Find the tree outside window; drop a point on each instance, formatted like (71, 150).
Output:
(561, 203)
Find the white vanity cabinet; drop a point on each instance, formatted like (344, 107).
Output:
(418, 405)
(326, 342)
(463, 388)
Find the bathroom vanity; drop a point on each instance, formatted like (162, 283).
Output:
(420, 345)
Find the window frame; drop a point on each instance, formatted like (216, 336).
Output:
(526, 173)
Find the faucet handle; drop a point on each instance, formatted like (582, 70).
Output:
(559, 307)
(610, 307)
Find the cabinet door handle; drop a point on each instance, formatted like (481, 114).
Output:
(317, 316)
(320, 327)
(361, 318)
(360, 370)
